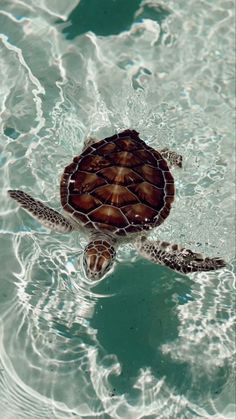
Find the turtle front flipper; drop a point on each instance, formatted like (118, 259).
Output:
(45, 215)
(174, 159)
(176, 257)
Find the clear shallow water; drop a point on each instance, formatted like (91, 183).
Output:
(146, 342)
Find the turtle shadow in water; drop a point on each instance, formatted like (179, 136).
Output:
(139, 319)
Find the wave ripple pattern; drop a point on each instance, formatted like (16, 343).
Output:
(145, 342)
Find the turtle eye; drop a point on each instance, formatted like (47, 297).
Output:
(97, 260)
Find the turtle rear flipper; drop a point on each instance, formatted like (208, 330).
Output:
(176, 257)
(45, 215)
(174, 159)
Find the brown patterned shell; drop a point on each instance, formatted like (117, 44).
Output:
(119, 185)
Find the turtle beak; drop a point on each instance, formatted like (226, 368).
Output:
(98, 260)
(96, 267)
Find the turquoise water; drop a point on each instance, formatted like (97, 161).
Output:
(145, 342)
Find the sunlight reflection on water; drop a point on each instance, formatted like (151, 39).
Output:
(145, 342)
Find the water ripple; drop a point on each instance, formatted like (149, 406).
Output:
(129, 348)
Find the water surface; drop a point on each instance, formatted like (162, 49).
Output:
(145, 342)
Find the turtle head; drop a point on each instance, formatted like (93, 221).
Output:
(98, 257)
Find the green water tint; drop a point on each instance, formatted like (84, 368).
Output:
(141, 317)
(108, 17)
(68, 351)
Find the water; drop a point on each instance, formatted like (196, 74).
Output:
(146, 342)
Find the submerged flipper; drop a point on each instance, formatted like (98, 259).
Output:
(176, 257)
(174, 159)
(88, 142)
(45, 215)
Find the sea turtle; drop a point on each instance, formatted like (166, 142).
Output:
(118, 189)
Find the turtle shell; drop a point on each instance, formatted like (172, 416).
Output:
(118, 185)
